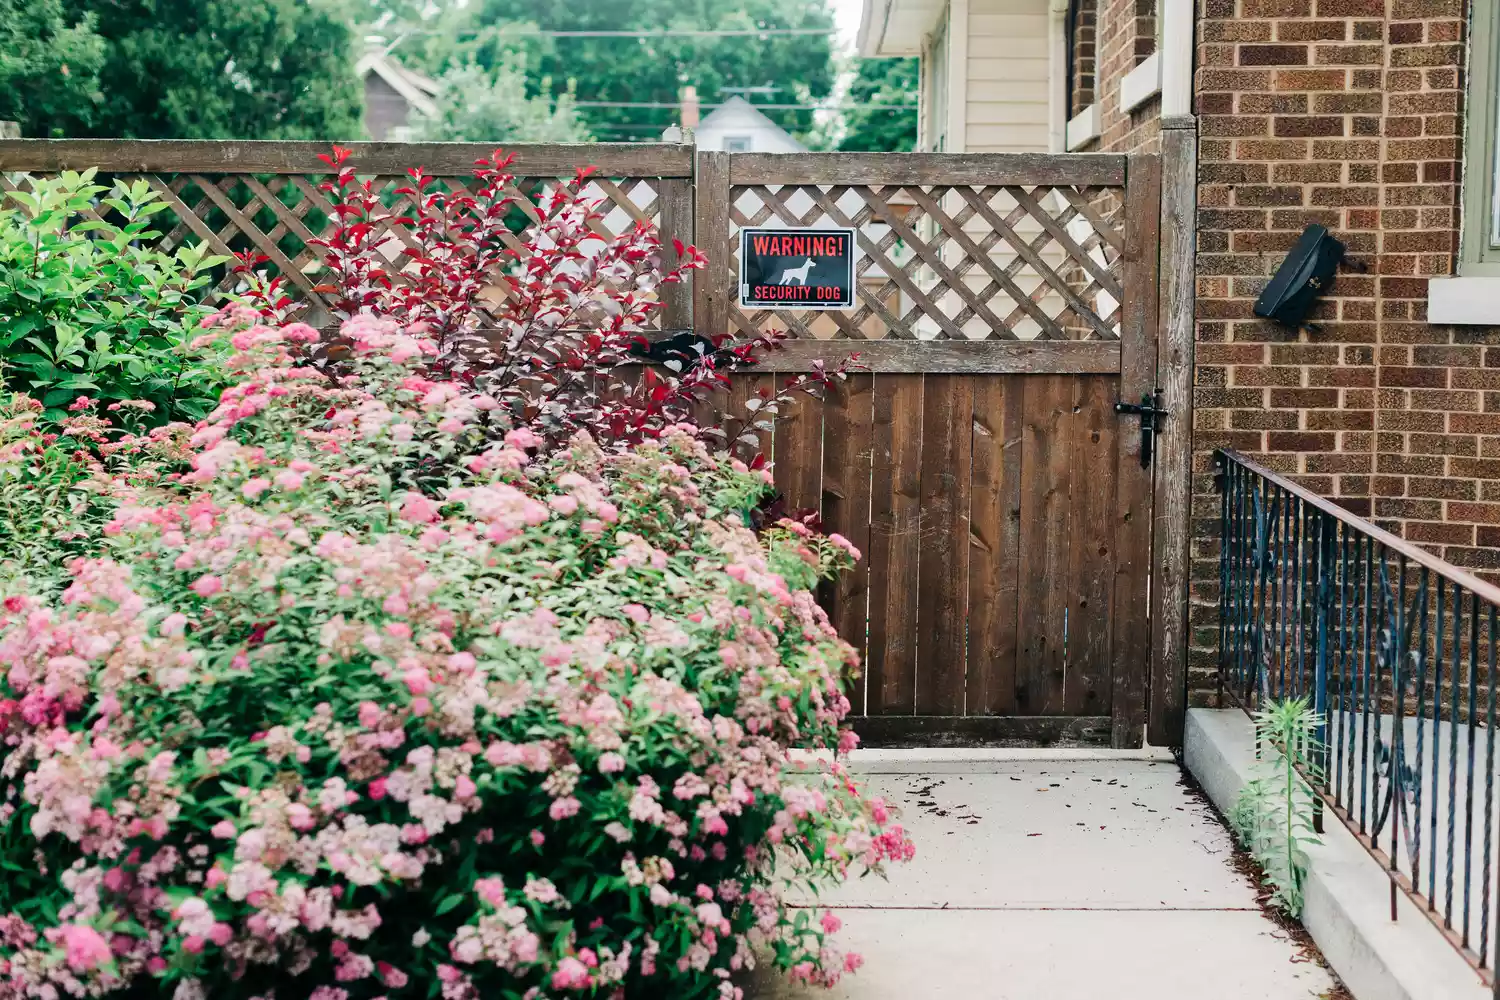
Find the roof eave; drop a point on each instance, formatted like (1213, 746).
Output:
(917, 19)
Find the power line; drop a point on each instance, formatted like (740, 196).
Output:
(656, 33)
(774, 107)
(683, 33)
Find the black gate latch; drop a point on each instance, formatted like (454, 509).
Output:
(1151, 413)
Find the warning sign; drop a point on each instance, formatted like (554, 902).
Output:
(797, 268)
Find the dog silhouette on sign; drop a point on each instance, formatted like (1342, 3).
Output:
(797, 274)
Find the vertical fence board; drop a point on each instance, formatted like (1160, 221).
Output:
(676, 196)
(799, 452)
(1046, 501)
(741, 388)
(713, 410)
(848, 446)
(1090, 664)
(712, 284)
(894, 543)
(994, 545)
(943, 576)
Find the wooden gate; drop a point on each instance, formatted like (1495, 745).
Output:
(1005, 304)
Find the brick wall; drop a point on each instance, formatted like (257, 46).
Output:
(1126, 33)
(1347, 113)
(1083, 42)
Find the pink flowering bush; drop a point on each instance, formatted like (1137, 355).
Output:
(381, 696)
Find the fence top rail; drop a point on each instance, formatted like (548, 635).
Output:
(1479, 588)
(1077, 169)
(213, 156)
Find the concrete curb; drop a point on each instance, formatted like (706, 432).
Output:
(1347, 910)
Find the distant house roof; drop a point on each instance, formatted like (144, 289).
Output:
(417, 90)
(737, 118)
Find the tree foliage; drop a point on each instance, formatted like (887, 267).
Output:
(479, 105)
(181, 69)
(49, 66)
(882, 81)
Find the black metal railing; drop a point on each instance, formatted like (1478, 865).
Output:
(1396, 650)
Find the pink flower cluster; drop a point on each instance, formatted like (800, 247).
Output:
(383, 694)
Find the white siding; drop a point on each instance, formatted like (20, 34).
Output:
(1007, 71)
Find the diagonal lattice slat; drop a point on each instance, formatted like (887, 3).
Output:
(959, 262)
(279, 215)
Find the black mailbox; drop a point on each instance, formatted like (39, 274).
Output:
(1308, 271)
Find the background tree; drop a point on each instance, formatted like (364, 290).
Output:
(628, 69)
(882, 81)
(187, 69)
(49, 67)
(478, 105)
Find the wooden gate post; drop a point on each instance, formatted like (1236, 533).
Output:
(1173, 530)
(677, 223)
(1138, 337)
(713, 285)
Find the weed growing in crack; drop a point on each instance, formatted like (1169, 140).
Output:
(1273, 816)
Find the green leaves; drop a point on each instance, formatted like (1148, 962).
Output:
(1272, 817)
(86, 309)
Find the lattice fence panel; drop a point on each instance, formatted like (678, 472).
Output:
(279, 215)
(959, 262)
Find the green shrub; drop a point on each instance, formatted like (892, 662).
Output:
(88, 306)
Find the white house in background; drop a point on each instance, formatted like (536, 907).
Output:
(393, 94)
(737, 126)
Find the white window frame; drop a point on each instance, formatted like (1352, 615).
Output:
(1143, 82)
(1480, 244)
(1473, 296)
(739, 143)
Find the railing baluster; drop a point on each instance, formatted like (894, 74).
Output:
(1398, 727)
(1226, 548)
(1324, 598)
(1421, 699)
(1437, 694)
(1249, 547)
(1352, 679)
(1285, 568)
(1469, 772)
(1489, 802)
(1365, 750)
(1299, 680)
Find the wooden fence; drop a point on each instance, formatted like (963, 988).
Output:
(1005, 302)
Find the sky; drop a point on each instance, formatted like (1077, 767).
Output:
(846, 16)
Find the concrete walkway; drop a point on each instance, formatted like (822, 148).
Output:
(1092, 876)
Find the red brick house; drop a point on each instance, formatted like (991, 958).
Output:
(1375, 118)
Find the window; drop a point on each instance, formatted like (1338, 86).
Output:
(1147, 30)
(1081, 44)
(1082, 51)
(1481, 177)
(737, 144)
